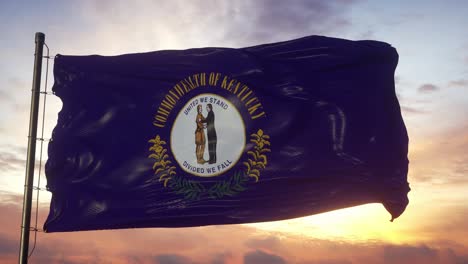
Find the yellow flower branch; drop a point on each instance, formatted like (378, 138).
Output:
(162, 166)
(258, 160)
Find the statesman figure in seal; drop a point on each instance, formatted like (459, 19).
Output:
(200, 136)
(211, 133)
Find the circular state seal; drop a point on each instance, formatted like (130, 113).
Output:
(208, 136)
(203, 148)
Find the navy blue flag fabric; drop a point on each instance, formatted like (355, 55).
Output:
(209, 136)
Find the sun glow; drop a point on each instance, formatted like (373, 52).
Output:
(358, 224)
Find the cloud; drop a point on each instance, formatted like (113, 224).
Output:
(428, 88)
(461, 166)
(13, 158)
(452, 257)
(449, 224)
(332, 261)
(397, 79)
(268, 20)
(7, 198)
(411, 110)
(172, 259)
(459, 83)
(269, 243)
(9, 161)
(409, 254)
(181, 24)
(7, 245)
(15, 95)
(226, 245)
(261, 257)
(12, 90)
(370, 34)
(221, 258)
(441, 159)
(4, 97)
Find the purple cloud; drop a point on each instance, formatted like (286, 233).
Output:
(459, 83)
(261, 257)
(411, 110)
(172, 259)
(331, 261)
(275, 20)
(428, 88)
(409, 254)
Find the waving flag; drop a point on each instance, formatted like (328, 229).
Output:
(214, 136)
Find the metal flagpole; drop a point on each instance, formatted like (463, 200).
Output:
(31, 156)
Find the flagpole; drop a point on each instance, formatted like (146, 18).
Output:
(31, 155)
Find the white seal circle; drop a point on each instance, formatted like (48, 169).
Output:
(208, 144)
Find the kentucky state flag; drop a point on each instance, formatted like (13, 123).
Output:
(210, 136)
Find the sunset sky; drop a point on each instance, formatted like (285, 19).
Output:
(431, 38)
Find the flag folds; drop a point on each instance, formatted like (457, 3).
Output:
(211, 136)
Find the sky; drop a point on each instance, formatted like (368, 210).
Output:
(431, 84)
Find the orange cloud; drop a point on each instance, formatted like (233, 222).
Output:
(228, 244)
